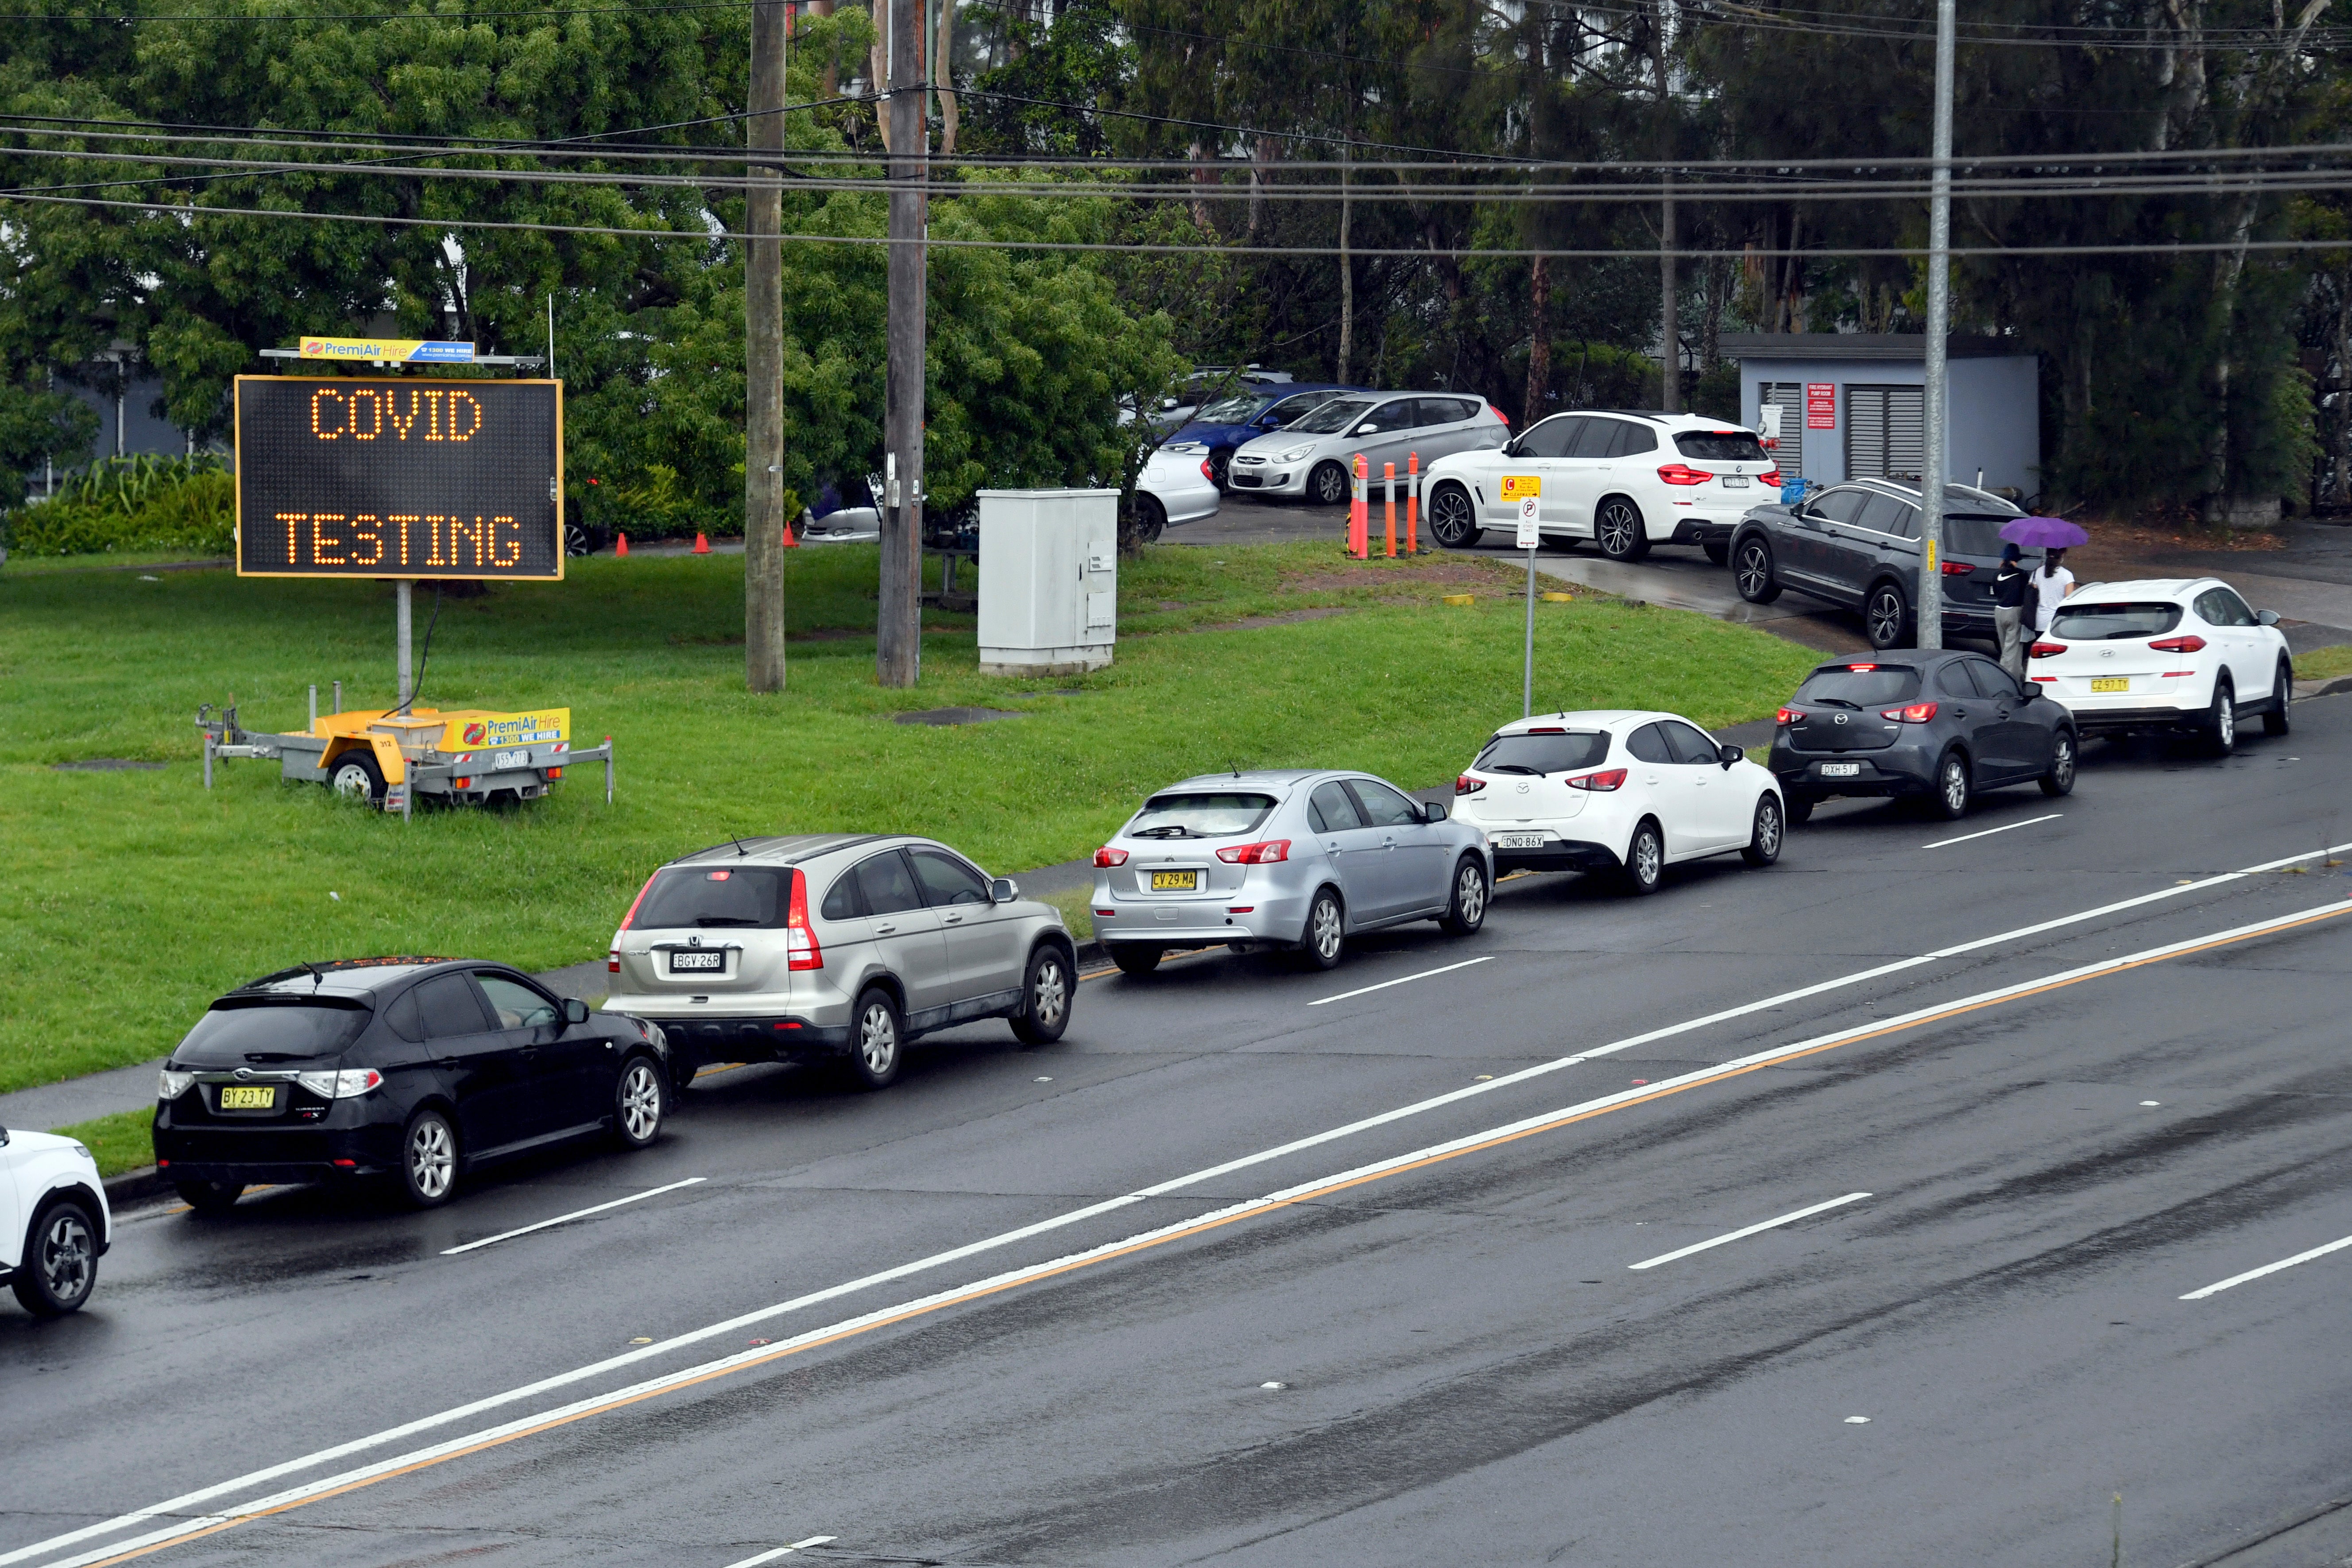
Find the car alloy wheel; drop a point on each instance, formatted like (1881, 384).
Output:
(1329, 484)
(1452, 521)
(2060, 779)
(1883, 616)
(1618, 530)
(1468, 910)
(1646, 860)
(1221, 469)
(1753, 574)
(61, 1265)
(874, 1056)
(1764, 838)
(637, 1103)
(2279, 719)
(1150, 519)
(2221, 723)
(1952, 786)
(1046, 1000)
(1326, 935)
(429, 1159)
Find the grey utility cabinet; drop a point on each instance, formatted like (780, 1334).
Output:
(1048, 581)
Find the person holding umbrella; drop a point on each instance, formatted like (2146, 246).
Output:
(2011, 587)
(2053, 536)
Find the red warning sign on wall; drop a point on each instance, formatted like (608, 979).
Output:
(1821, 405)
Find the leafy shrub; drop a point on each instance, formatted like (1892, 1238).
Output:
(133, 503)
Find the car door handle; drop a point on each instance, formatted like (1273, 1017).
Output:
(446, 1061)
(1388, 843)
(950, 920)
(886, 931)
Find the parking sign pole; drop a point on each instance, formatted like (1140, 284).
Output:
(1530, 535)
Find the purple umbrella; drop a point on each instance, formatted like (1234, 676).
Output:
(2043, 534)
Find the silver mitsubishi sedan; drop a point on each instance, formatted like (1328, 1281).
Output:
(1300, 860)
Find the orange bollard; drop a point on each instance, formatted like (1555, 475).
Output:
(1359, 520)
(701, 545)
(1412, 503)
(622, 548)
(1388, 477)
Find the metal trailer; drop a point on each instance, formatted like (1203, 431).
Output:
(395, 757)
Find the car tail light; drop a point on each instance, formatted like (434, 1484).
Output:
(1547, 729)
(555, 772)
(2047, 649)
(1465, 784)
(1243, 910)
(630, 919)
(170, 1085)
(1910, 713)
(1788, 715)
(2179, 674)
(2047, 680)
(1600, 784)
(1957, 569)
(2191, 643)
(1684, 474)
(348, 1084)
(1770, 479)
(1266, 852)
(800, 948)
(1207, 472)
(613, 962)
(1861, 668)
(1106, 856)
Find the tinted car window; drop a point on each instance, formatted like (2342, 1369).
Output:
(1632, 440)
(1551, 438)
(746, 895)
(1972, 536)
(1838, 506)
(1597, 438)
(1331, 809)
(231, 1029)
(1993, 681)
(1689, 744)
(2078, 622)
(1209, 813)
(1720, 446)
(1649, 744)
(1860, 685)
(842, 902)
(1333, 416)
(1383, 807)
(1881, 514)
(888, 887)
(2221, 607)
(947, 880)
(1952, 680)
(516, 1004)
(446, 1005)
(1450, 410)
(1396, 414)
(1557, 754)
(1290, 408)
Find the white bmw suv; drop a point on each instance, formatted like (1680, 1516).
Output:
(2165, 654)
(1624, 478)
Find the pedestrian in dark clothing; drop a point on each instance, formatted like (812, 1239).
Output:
(2012, 589)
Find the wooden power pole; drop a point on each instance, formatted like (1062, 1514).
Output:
(763, 360)
(898, 626)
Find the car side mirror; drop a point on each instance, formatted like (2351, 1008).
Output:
(2267, 618)
(1002, 890)
(1727, 755)
(575, 1011)
(1434, 810)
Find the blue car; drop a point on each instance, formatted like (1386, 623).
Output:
(1223, 426)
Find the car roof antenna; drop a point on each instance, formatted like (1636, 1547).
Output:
(317, 979)
(1234, 765)
(739, 851)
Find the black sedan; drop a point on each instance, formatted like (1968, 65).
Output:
(1858, 545)
(1936, 724)
(417, 1068)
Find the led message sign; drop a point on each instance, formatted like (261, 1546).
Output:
(398, 477)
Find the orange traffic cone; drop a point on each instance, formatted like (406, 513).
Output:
(623, 547)
(701, 545)
(791, 540)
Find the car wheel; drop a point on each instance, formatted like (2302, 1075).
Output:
(1221, 465)
(1951, 797)
(1465, 911)
(1133, 958)
(638, 1100)
(1151, 518)
(1619, 529)
(209, 1198)
(1645, 861)
(1328, 485)
(2222, 721)
(1753, 576)
(1717, 551)
(1046, 994)
(1800, 809)
(2279, 719)
(874, 1046)
(1453, 519)
(60, 1262)
(2060, 779)
(1885, 619)
(1764, 838)
(1326, 937)
(356, 773)
(428, 1159)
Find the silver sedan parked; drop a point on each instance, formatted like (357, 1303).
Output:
(1296, 859)
(1314, 457)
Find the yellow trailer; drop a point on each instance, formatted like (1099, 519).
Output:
(468, 755)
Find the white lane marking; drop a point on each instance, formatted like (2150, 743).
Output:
(183, 1529)
(1400, 979)
(1747, 1231)
(2216, 1290)
(1988, 832)
(780, 1551)
(568, 1218)
(1079, 1216)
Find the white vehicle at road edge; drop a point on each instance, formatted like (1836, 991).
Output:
(1618, 790)
(1177, 486)
(53, 1221)
(2166, 653)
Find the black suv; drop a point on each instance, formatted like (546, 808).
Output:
(1858, 545)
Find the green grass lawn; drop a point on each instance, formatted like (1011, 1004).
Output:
(2324, 663)
(123, 1141)
(132, 898)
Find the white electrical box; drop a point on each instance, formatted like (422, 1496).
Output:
(1048, 581)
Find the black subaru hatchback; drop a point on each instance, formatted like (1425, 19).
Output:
(1938, 723)
(420, 1069)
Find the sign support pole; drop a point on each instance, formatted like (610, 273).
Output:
(402, 594)
(1528, 679)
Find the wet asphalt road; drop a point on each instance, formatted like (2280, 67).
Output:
(1467, 1366)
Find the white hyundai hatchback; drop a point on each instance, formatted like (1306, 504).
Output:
(53, 1221)
(2165, 654)
(1617, 791)
(1626, 480)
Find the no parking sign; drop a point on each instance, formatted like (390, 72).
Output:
(1525, 490)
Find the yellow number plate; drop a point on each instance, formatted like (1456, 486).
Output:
(1175, 881)
(2112, 683)
(237, 1097)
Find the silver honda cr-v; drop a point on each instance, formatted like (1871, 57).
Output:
(835, 946)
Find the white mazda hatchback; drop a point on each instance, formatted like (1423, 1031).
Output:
(2165, 654)
(1617, 791)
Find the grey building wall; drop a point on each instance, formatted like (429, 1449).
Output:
(1995, 418)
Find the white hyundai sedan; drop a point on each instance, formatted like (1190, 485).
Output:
(1617, 791)
(2165, 654)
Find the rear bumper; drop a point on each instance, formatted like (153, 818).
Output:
(1888, 771)
(1559, 855)
(255, 1154)
(1703, 529)
(1140, 923)
(2091, 721)
(772, 1038)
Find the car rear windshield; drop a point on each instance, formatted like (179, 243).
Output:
(1860, 685)
(1720, 445)
(238, 1030)
(1334, 416)
(1235, 410)
(1973, 536)
(1551, 754)
(1205, 815)
(2112, 623)
(748, 896)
